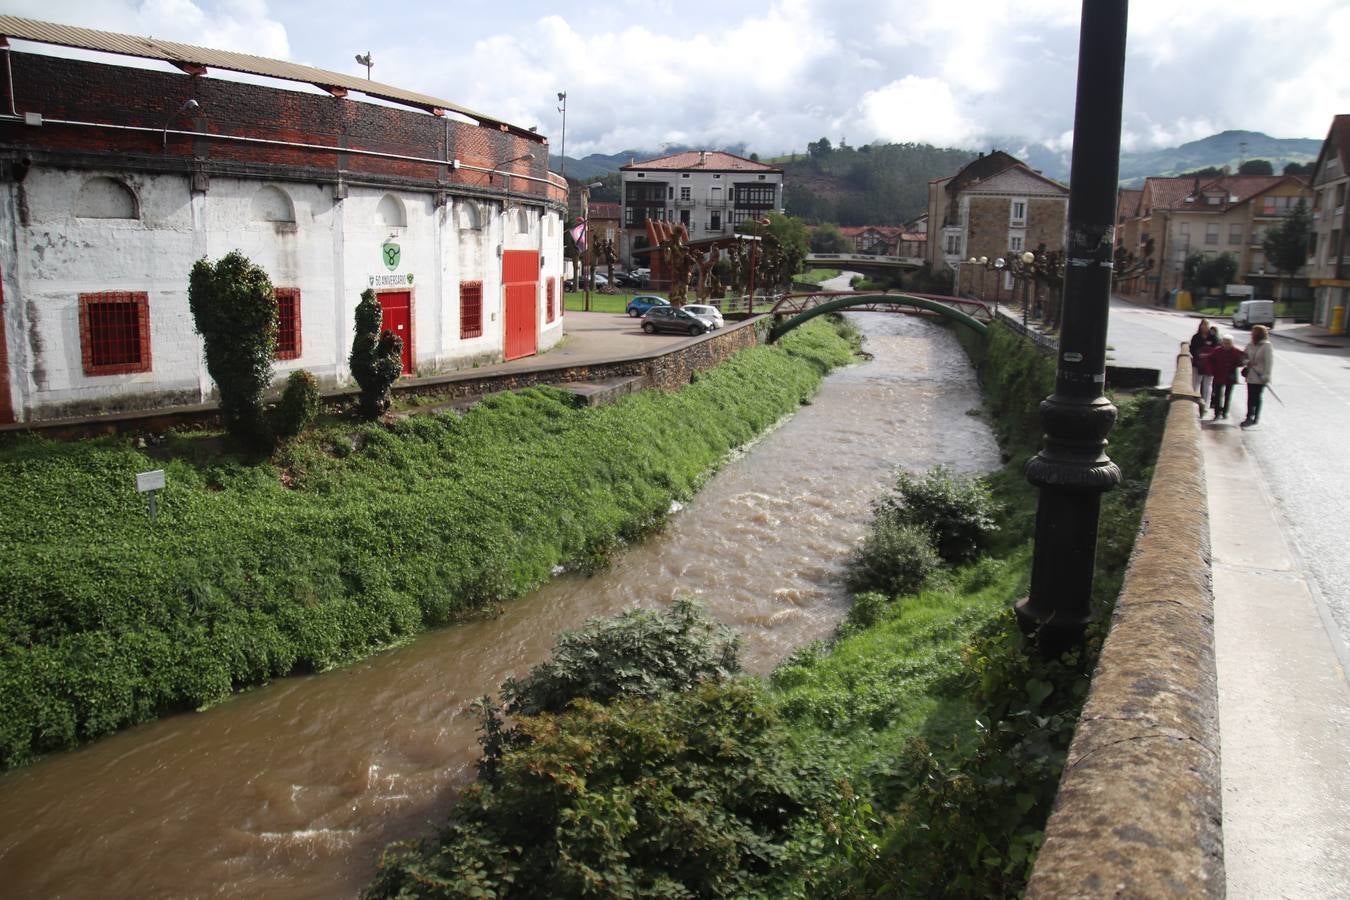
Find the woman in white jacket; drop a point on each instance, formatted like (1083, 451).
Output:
(1258, 361)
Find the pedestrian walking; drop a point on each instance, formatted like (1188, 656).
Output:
(1202, 343)
(1224, 362)
(1258, 364)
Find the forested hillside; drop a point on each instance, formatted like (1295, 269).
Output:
(881, 184)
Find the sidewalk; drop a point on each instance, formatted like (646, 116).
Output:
(1284, 702)
(1314, 335)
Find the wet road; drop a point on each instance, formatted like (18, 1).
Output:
(1300, 445)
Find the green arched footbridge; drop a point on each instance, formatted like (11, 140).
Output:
(808, 306)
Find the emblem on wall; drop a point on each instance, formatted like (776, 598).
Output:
(392, 253)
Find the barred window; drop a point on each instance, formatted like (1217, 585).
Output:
(471, 309)
(288, 323)
(115, 332)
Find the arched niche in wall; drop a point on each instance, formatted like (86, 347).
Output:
(390, 213)
(271, 204)
(522, 221)
(470, 216)
(106, 198)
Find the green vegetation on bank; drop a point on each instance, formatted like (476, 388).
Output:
(816, 276)
(350, 538)
(916, 754)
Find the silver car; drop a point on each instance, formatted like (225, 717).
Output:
(704, 311)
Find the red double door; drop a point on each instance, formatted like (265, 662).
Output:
(397, 308)
(520, 276)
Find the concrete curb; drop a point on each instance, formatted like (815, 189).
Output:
(1139, 809)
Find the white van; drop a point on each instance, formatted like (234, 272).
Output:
(1254, 312)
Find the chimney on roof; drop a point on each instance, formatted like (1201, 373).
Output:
(702, 157)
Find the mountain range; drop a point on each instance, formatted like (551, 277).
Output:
(852, 183)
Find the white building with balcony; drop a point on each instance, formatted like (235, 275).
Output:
(708, 191)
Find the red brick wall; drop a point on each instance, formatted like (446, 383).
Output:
(82, 91)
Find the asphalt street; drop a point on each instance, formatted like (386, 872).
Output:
(1299, 446)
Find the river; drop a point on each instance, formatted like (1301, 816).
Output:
(292, 789)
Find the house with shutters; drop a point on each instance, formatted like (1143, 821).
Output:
(995, 205)
(707, 191)
(1329, 260)
(1171, 219)
(114, 180)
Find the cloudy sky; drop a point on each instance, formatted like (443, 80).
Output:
(777, 74)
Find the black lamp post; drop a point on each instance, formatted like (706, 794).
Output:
(1072, 470)
(998, 282)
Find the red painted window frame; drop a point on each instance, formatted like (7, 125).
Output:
(95, 326)
(470, 309)
(550, 290)
(288, 349)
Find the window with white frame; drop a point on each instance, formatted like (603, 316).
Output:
(1235, 233)
(1015, 243)
(1017, 214)
(1212, 233)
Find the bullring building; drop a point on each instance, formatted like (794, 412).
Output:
(114, 180)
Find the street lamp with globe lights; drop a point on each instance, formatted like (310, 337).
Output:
(998, 281)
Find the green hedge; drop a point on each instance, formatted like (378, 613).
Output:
(353, 538)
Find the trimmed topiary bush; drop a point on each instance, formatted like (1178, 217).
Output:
(298, 407)
(376, 360)
(235, 312)
(959, 513)
(895, 558)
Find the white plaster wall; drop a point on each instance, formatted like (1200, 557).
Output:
(332, 252)
(364, 235)
(60, 255)
(295, 254)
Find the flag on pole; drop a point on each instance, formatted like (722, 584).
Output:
(579, 234)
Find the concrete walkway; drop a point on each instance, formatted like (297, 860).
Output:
(1284, 701)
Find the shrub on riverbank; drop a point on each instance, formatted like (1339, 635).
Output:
(915, 755)
(352, 538)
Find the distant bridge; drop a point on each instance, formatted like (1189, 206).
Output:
(861, 261)
(973, 314)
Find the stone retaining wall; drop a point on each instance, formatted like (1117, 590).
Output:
(1138, 812)
(668, 369)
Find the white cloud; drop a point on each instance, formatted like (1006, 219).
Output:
(917, 109)
(776, 75)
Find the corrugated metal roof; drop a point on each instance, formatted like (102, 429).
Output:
(187, 54)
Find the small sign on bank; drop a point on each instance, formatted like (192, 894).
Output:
(151, 483)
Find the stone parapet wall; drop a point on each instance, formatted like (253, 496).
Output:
(1138, 812)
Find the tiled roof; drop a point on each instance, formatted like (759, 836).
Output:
(1167, 193)
(1127, 203)
(1338, 136)
(706, 160)
(1240, 188)
(883, 230)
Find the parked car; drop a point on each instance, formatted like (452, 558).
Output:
(572, 285)
(1254, 312)
(667, 318)
(639, 305)
(711, 313)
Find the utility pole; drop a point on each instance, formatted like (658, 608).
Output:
(1072, 470)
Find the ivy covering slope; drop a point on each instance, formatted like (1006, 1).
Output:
(354, 538)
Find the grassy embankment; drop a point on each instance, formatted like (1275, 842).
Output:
(916, 754)
(816, 276)
(352, 538)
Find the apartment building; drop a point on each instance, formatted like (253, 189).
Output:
(994, 206)
(707, 191)
(1329, 262)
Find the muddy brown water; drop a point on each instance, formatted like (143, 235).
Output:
(291, 790)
